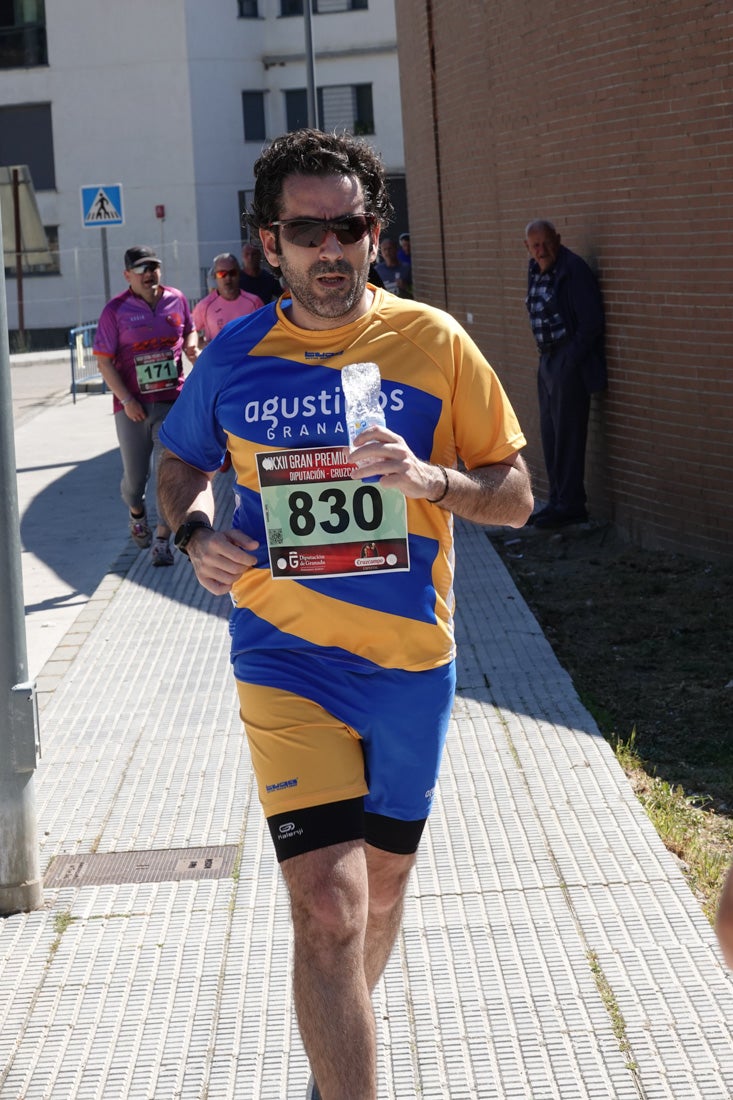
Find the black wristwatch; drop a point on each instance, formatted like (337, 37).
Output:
(185, 531)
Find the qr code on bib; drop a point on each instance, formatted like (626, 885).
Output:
(276, 536)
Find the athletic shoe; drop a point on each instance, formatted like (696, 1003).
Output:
(161, 554)
(550, 518)
(142, 536)
(536, 515)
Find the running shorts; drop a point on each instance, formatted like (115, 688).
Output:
(344, 755)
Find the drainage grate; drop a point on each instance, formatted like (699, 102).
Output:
(163, 865)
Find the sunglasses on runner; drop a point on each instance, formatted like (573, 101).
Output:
(312, 232)
(143, 269)
(224, 274)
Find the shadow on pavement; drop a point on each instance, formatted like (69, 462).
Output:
(77, 527)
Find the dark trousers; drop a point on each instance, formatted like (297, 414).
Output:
(564, 408)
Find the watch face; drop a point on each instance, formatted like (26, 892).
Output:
(186, 530)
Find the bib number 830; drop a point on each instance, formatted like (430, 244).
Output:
(366, 504)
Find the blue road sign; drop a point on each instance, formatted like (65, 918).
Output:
(101, 205)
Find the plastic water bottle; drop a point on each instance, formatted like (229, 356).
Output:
(361, 384)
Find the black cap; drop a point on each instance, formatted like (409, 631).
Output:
(140, 254)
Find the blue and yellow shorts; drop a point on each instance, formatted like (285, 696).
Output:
(343, 755)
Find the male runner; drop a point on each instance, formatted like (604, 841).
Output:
(344, 662)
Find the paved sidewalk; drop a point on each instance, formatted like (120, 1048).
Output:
(551, 948)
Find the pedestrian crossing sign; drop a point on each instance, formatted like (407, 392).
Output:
(101, 205)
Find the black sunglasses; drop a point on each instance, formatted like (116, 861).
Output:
(312, 232)
(146, 268)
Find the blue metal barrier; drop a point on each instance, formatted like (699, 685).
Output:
(84, 367)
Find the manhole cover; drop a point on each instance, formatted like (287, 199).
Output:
(161, 865)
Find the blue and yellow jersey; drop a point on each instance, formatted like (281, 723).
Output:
(266, 385)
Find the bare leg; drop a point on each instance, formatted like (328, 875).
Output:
(338, 916)
(329, 900)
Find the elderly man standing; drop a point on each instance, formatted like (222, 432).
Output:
(226, 301)
(566, 314)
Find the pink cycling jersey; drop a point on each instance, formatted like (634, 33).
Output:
(145, 343)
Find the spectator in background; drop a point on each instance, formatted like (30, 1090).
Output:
(374, 277)
(396, 277)
(566, 314)
(138, 344)
(404, 255)
(254, 279)
(226, 301)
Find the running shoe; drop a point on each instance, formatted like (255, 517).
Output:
(161, 554)
(142, 536)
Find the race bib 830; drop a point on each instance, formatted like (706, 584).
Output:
(322, 523)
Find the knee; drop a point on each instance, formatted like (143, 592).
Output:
(384, 896)
(339, 913)
(387, 883)
(329, 904)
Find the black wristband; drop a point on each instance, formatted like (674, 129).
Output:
(445, 487)
(185, 531)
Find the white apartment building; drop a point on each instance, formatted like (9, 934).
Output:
(171, 102)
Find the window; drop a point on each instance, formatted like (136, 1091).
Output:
(248, 9)
(26, 137)
(296, 108)
(54, 267)
(364, 109)
(244, 199)
(322, 7)
(346, 107)
(253, 110)
(340, 107)
(22, 34)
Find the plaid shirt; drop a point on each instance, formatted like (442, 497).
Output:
(547, 324)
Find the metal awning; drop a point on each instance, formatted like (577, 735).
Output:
(22, 226)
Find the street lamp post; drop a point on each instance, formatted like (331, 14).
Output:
(310, 66)
(20, 883)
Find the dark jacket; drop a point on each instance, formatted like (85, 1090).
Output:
(578, 301)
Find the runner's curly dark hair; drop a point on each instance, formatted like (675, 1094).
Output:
(314, 153)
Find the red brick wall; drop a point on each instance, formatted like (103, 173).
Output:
(614, 120)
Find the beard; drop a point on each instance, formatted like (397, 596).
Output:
(323, 301)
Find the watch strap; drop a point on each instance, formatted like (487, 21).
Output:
(184, 533)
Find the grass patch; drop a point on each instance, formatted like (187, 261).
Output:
(700, 840)
(61, 922)
(647, 639)
(612, 1008)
